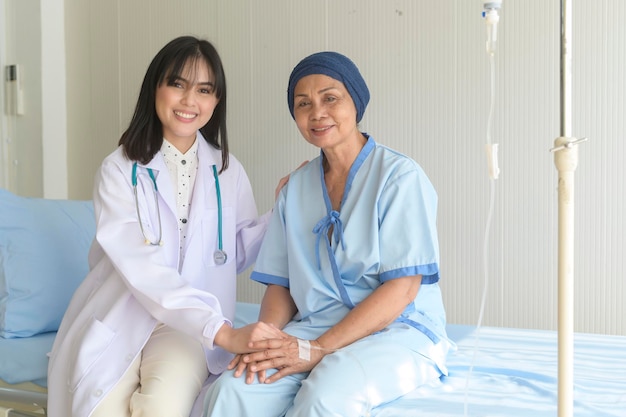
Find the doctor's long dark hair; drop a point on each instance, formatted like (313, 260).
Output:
(144, 136)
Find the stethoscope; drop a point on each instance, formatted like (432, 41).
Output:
(219, 256)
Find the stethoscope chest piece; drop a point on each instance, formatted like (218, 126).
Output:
(220, 257)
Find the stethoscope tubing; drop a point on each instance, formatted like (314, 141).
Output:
(218, 193)
(159, 241)
(220, 255)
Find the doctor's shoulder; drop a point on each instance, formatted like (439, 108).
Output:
(116, 163)
(235, 168)
(118, 159)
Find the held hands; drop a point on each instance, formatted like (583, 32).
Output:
(249, 334)
(286, 355)
(241, 340)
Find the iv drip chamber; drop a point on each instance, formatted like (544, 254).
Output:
(490, 14)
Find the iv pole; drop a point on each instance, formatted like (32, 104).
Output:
(566, 159)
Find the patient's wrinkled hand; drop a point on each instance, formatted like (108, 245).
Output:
(286, 355)
(236, 362)
(240, 367)
(256, 332)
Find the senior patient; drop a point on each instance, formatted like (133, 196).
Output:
(351, 264)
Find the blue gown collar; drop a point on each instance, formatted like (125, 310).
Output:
(356, 165)
(333, 218)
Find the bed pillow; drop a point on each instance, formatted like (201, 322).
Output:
(43, 258)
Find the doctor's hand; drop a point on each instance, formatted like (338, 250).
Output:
(240, 340)
(284, 180)
(288, 356)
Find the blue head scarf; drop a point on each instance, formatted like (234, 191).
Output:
(336, 66)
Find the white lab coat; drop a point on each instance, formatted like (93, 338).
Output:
(131, 286)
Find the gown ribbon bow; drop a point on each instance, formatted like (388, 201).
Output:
(321, 229)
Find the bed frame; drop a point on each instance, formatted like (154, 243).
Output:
(23, 369)
(22, 402)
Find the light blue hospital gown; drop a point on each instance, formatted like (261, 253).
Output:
(386, 229)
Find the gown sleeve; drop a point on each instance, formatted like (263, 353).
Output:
(272, 265)
(408, 233)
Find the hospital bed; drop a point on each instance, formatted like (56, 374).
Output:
(510, 372)
(494, 372)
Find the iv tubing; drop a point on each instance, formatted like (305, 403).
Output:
(487, 231)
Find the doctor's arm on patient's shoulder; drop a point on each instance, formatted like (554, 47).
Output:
(284, 180)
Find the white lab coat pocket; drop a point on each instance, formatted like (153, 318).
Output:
(89, 345)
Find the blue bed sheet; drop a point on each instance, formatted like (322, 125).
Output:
(505, 372)
(513, 373)
(25, 359)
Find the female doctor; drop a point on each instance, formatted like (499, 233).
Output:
(176, 221)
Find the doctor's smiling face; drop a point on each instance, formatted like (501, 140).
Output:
(186, 103)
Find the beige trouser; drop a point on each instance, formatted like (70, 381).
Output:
(163, 381)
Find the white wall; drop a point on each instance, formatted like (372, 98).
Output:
(22, 135)
(33, 151)
(53, 99)
(429, 76)
(4, 133)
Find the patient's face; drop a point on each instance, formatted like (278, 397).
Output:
(324, 111)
